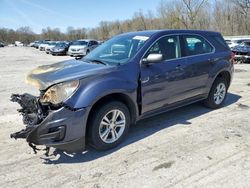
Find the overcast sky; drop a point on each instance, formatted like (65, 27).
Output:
(39, 14)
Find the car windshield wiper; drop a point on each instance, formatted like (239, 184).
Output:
(96, 61)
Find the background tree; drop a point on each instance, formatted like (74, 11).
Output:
(230, 17)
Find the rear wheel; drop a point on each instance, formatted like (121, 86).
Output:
(217, 93)
(108, 125)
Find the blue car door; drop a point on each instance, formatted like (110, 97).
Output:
(199, 60)
(163, 83)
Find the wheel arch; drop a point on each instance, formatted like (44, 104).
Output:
(224, 74)
(121, 97)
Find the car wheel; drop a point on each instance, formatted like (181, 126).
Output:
(108, 126)
(217, 94)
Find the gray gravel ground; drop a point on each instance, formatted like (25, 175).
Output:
(189, 147)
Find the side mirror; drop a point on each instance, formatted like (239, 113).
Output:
(152, 58)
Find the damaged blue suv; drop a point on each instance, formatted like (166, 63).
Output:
(132, 76)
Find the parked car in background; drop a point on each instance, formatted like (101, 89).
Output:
(81, 48)
(31, 44)
(2, 44)
(242, 52)
(234, 42)
(43, 45)
(18, 43)
(61, 48)
(50, 45)
(36, 44)
(100, 42)
(128, 78)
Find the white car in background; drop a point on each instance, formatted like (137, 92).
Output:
(18, 43)
(43, 45)
(51, 44)
(81, 48)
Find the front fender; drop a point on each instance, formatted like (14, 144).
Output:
(91, 90)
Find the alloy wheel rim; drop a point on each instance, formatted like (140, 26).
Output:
(112, 126)
(220, 93)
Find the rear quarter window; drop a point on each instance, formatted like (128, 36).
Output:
(195, 45)
(219, 43)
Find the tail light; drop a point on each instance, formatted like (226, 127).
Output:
(232, 58)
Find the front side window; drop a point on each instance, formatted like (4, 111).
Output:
(195, 45)
(167, 46)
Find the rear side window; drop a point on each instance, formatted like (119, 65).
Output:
(195, 45)
(220, 43)
(167, 46)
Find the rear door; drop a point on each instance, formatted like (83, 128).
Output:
(199, 55)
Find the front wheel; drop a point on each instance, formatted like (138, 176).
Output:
(217, 94)
(108, 125)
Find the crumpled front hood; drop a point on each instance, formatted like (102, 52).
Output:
(47, 75)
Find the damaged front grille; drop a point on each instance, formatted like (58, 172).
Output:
(33, 114)
(31, 109)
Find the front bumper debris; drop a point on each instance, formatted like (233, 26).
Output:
(59, 127)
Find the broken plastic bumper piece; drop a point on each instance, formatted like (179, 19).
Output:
(47, 125)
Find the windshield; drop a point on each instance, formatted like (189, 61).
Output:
(80, 42)
(62, 44)
(118, 50)
(52, 43)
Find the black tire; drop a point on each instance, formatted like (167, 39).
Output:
(94, 125)
(210, 101)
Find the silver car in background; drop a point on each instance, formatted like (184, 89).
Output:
(51, 44)
(81, 48)
(43, 45)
